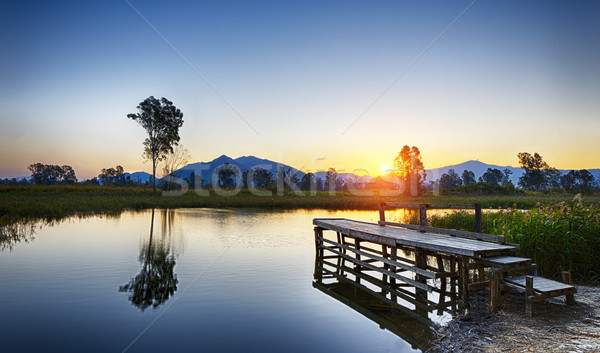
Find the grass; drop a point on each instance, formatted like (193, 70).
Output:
(564, 236)
(61, 201)
(557, 232)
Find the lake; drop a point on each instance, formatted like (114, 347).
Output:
(183, 280)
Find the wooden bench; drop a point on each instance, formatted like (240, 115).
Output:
(535, 288)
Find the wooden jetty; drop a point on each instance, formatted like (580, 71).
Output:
(407, 262)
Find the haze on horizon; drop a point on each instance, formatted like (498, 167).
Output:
(312, 84)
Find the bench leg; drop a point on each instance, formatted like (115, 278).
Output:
(529, 296)
(494, 290)
(566, 278)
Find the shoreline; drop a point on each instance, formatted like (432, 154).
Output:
(554, 327)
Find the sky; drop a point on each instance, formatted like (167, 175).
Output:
(312, 84)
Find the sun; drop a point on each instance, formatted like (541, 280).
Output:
(384, 169)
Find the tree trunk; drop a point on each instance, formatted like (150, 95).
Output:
(154, 174)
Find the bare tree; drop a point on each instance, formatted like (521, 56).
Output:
(173, 161)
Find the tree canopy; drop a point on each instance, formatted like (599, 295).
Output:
(410, 165)
(538, 174)
(161, 120)
(49, 174)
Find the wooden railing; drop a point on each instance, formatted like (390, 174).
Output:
(422, 227)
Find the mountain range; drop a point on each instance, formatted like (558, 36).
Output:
(245, 163)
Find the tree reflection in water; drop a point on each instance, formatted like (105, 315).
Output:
(156, 281)
(16, 232)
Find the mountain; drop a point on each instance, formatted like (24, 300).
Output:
(243, 164)
(139, 177)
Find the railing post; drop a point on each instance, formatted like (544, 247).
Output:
(381, 213)
(478, 218)
(423, 216)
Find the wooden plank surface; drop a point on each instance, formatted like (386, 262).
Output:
(393, 236)
(505, 262)
(540, 284)
(453, 232)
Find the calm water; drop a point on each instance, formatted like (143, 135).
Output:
(181, 280)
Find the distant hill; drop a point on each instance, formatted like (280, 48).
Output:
(245, 163)
(139, 177)
(479, 168)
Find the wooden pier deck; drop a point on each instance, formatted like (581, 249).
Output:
(447, 262)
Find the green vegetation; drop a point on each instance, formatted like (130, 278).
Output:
(56, 201)
(558, 237)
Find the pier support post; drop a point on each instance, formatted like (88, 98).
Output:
(464, 283)
(529, 296)
(566, 278)
(494, 290)
(421, 295)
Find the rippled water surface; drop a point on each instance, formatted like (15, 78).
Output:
(178, 280)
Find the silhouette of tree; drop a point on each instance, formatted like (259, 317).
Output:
(580, 180)
(112, 176)
(173, 162)
(331, 181)
(156, 282)
(227, 176)
(468, 177)
(506, 177)
(538, 174)
(492, 176)
(450, 180)
(161, 120)
(308, 182)
(262, 178)
(49, 174)
(410, 165)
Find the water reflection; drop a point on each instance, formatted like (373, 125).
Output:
(330, 277)
(15, 232)
(156, 282)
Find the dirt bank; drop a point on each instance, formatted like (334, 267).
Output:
(554, 327)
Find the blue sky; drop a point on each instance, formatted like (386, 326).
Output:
(313, 84)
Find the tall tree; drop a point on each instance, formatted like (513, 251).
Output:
(409, 163)
(538, 174)
(161, 120)
(228, 176)
(506, 177)
(262, 177)
(112, 176)
(492, 176)
(468, 177)
(308, 182)
(331, 180)
(450, 180)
